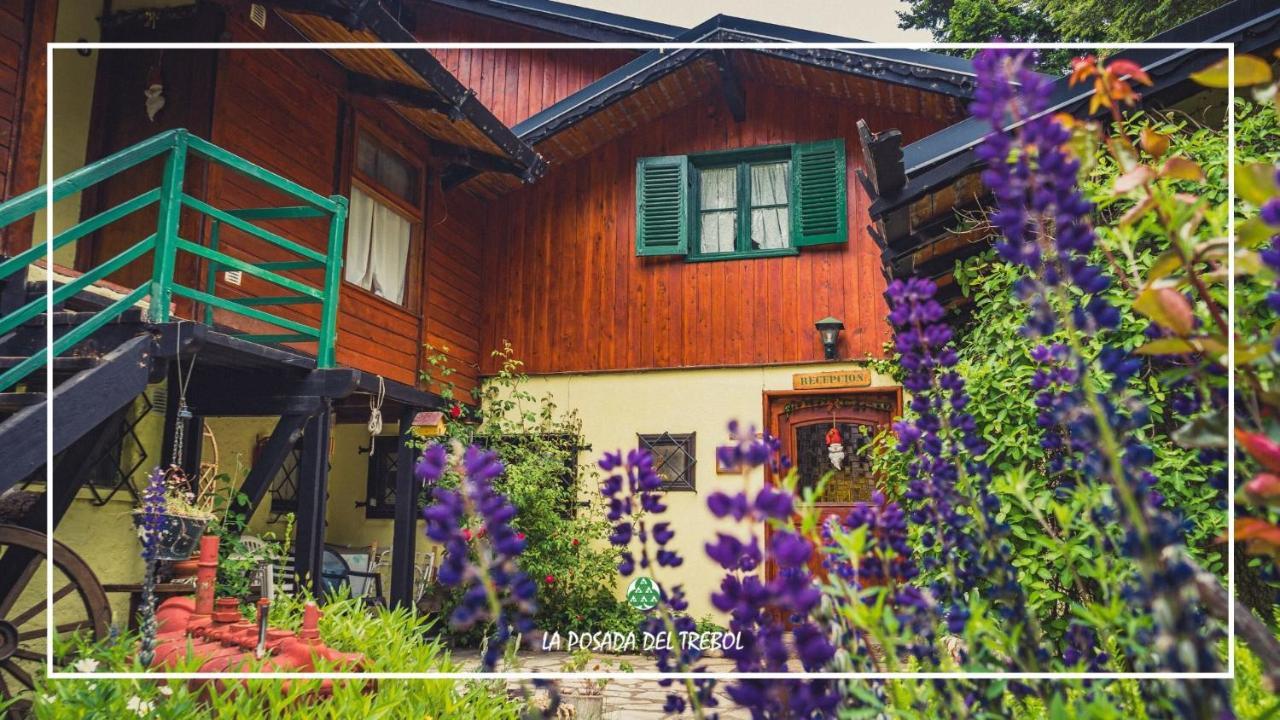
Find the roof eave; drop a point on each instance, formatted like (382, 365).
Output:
(926, 71)
(568, 20)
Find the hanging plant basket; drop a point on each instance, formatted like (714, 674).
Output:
(179, 534)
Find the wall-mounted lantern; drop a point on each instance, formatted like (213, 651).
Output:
(829, 330)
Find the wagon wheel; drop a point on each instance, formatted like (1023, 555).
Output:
(79, 605)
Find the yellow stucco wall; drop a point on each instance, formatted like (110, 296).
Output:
(615, 407)
(104, 535)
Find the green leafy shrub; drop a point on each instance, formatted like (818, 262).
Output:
(559, 508)
(1055, 542)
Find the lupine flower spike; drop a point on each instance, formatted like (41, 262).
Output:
(495, 589)
(154, 504)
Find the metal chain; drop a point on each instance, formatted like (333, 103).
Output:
(184, 412)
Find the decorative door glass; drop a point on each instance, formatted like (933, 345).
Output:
(842, 449)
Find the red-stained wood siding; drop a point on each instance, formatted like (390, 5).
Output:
(25, 27)
(566, 287)
(514, 84)
(453, 289)
(284, 111)
(13, 51)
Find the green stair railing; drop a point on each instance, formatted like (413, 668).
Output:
(166, 243)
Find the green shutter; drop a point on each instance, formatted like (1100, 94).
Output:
(662, 197)
(818, 195)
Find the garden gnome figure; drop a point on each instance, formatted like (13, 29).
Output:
(835, 448)
(154, 93)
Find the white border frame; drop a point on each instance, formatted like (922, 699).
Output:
(53, 673)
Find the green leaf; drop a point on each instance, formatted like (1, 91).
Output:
(1166, 346)
(1256, 183)
(1167, 263)
(1250, 70)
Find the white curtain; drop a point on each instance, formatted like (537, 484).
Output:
(718, 211)
(770, 226)
(391, 253)
(359, 236)
(377, 247)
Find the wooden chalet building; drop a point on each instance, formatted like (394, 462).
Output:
(656, 232)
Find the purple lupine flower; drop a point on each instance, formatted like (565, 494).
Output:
(962, 535)
(632, 486)
(1044, 222)
(763, 613)
(431, 466)
(1271, 209)
(632, 489)
(154, 504)
(508, 598)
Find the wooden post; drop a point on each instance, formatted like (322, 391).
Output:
(313, 487)
(168, 214)
(267, 464)
(404, 542)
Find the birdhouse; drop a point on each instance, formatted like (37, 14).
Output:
(428, 424)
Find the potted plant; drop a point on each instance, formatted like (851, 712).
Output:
(187, 512)
(587, 697)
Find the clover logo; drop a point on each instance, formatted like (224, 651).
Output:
(643, 593)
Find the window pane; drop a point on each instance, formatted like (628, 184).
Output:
(769, 183)
(392, 173)
(396, 175)
(719, 188)
(367, 156)
(718, 231)
(770, 228)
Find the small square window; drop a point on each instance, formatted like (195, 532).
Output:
(674, 459)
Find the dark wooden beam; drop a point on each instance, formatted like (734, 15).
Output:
(72, 468)
(233, 404)
(404, 542)
(313, 489)
(208, 383)
(476, 160)
(79, 405)
(267, 464)
(731, 88)
(882, 158)
(399, 93)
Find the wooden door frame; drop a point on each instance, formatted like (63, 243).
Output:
(768, 398)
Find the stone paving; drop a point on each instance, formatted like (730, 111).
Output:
(623, 699)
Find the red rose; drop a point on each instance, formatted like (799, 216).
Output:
(520, 536)
(455, 412)
(550, 579)
(482, 532)
(466, 534)
(575, 542)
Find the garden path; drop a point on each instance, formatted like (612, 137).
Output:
(623, 699)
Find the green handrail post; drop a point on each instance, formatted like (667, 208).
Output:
(332, 284)
(170, 212)
(211, 278)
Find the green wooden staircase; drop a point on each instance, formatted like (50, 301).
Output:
(83, 354)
